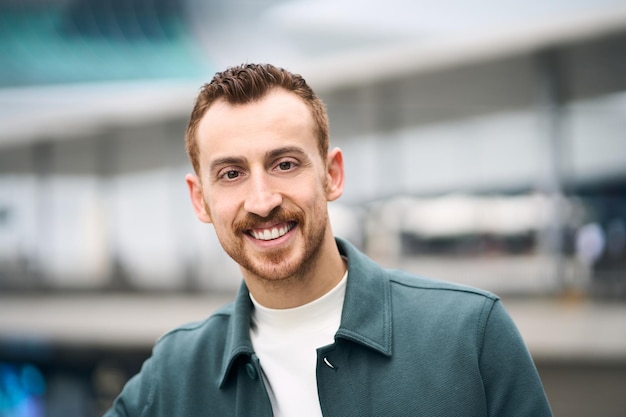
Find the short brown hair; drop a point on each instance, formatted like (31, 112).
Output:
(246, 83)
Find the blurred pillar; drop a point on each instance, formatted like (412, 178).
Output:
(106, 148)
(42, 158)
(551, 97)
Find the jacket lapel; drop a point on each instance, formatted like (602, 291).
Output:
(366, 317)
(238, 338)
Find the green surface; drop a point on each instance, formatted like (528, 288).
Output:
(50, 45)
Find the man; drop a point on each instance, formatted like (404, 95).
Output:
(317, 328)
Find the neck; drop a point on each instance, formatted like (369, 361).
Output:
(322, 276)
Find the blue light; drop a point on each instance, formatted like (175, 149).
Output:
(33, 380)
(21, 391)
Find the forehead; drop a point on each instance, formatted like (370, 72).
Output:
(278, 116)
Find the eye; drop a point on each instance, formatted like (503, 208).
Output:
(285, 165)
(229, 174)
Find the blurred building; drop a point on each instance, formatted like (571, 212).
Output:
(486, 148)
(96, 98)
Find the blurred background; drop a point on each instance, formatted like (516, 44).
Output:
(485, 143)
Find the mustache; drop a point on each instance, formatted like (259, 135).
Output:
(277, 215)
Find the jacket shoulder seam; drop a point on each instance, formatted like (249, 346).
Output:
(151, 393)
(194, 325)
(481, 328)
(428, 284)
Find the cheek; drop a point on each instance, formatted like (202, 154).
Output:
(223, 210)
(314, 200)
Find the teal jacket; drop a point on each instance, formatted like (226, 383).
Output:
(406, 346)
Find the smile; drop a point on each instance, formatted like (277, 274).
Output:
(271, 232)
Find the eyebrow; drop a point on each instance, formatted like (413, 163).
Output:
(274, 153)
(229, 160)
(240, 160)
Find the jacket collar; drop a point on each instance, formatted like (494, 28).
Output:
(366, 316)
(238, 342)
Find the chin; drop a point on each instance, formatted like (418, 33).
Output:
(275, 271)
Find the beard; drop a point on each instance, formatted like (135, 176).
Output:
(292, 262)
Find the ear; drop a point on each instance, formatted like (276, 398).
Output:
(197, 198)
(334, 174)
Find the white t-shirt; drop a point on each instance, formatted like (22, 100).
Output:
(285, 340)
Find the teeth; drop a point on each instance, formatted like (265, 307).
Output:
(269, 234)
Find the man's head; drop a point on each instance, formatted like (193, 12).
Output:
(264, 174)
(247, 83)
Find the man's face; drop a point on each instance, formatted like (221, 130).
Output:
(264, 185)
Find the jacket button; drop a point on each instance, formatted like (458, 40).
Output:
(251, 371)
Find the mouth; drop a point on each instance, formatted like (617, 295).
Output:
(271, 233)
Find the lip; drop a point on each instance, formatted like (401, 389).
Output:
(271, 234)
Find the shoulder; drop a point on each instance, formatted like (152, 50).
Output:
(203, 334)
(419, 298)
(369, 272)
(440, 303)
(411, 282)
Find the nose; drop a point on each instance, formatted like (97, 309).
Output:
(261, 198)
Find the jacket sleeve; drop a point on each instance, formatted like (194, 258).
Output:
(136, 396)
(512, 384)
